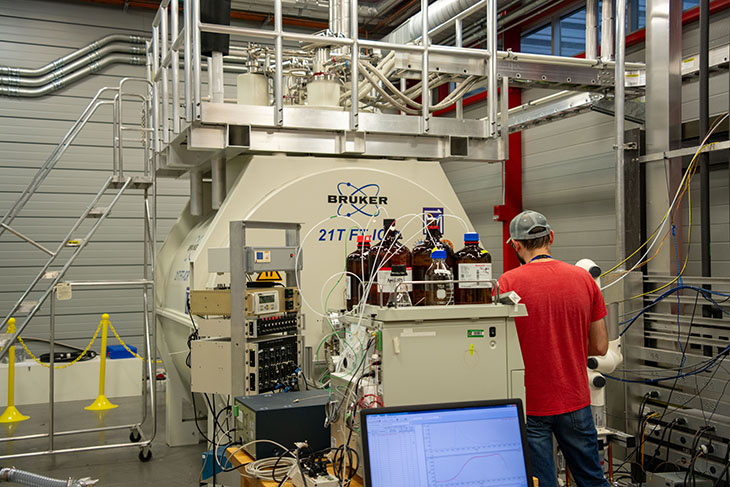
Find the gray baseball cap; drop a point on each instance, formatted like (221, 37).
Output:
(522, 224)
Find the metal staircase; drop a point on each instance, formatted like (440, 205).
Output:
(60, 260)
(116, 184)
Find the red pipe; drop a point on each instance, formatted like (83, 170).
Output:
(512, 168)
(235, 14)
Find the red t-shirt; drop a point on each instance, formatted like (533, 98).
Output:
(561, 300)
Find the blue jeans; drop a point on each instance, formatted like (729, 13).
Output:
(577, 438)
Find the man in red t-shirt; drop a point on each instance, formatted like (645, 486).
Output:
(564, 326)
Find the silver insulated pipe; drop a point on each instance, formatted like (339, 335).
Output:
(71, 78)
(33, 82)
(438, 13)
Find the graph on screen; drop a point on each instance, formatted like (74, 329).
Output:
(449, 447)
(474, 453)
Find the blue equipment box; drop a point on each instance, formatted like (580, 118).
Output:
(118, 351)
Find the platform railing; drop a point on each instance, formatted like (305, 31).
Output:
(172, 41)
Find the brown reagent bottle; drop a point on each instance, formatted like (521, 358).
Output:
(473, 262)
(358, 263)
(383, 256)
(422, 258)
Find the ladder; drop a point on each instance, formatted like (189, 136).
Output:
(116, 185)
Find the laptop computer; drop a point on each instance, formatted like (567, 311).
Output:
(480, 443)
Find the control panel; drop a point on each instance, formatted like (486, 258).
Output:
(272, 365)
(267, 325)
(217, 302)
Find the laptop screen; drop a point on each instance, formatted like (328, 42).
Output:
(473, 444)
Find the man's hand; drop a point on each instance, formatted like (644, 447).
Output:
(598, 338)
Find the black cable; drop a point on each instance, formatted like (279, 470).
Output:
(722, 394)
(696, 452)
(656, 451)
(672, 389)
(215, 420)
(669, 439)
(725, 470)
(301, 470)
(195, 413)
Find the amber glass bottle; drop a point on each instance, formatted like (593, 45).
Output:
(358, 263)
(389, 252)
(472, 263)
(422, 258)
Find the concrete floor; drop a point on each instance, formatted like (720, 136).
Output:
(178, 466)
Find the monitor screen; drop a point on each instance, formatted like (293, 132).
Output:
(447, 447)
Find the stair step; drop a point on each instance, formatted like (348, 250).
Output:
(74, 242)
(25, 307)
(51, 274)
(97, 211)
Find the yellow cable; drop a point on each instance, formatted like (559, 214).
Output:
(643, 432)
(693, 167)
(682, 183)
(86, 350)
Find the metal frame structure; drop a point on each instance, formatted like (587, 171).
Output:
(193, 129)
(121, 183)
(242, 263)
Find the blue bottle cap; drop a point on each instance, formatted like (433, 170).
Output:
(438, 254)
(471, 237)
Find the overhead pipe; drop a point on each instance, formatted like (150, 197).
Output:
(591, 29)
(619, 107)
(438, 12)
(49, 77)
(218, 176)
(704, 128)
(607, 33)
(71, 78)
(94, 46)
(196, 193)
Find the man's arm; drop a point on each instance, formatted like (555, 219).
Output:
(598, 338)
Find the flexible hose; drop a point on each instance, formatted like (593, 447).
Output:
(30, 479)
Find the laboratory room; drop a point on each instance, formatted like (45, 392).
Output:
(381, 243)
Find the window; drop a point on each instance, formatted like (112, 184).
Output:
(636, 15)
(572, 34)
(569, 30)
(538, 41)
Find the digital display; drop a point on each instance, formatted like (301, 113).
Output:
(480, 446)
(267, 298)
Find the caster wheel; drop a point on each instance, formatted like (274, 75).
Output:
(145, 455)
(135, 436)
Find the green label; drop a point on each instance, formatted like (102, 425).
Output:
(475, 333)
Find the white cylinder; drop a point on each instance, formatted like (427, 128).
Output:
(253, 89)
(323, 93)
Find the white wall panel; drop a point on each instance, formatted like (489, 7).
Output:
(33, 33)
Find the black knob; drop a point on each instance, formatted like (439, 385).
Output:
(595, 272)
(599, 381)
(592, 363)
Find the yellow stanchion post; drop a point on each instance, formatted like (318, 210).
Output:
(102, 403)
(11, 414)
